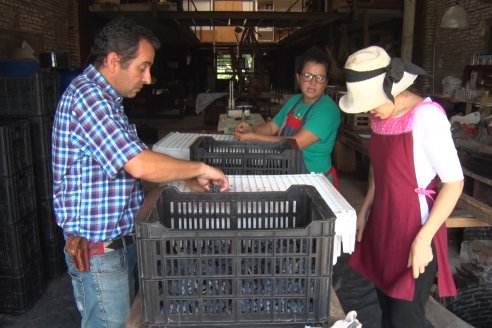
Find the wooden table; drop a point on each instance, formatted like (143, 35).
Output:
(227, 124)
(135, 318)
(474, 209)
(470, 105)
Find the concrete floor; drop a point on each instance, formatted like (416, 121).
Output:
(56, 308)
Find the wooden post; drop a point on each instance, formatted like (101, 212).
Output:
(407, 33)
(365, 19)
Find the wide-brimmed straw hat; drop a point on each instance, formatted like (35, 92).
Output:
(373, 78)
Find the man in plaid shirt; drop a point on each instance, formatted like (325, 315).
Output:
(98, 164)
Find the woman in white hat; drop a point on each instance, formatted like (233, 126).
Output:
(401, 237)
(310, 118)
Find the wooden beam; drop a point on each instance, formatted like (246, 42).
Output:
(407, 33)
(476, 208)
(465, 222)
(366, 38)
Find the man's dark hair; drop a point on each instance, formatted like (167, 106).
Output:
(121, 36)
(313, 54)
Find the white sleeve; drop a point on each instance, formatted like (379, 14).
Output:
(434, 149)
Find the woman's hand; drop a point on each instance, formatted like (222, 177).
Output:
(243, 131)
(361, 224)
(243, 127)
(420, 256)
(248, 136)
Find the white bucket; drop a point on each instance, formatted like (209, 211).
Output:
(449, 85)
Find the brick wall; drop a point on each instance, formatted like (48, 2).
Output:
(453, 47)
(473, 305)
(474, 279)
(49, 25)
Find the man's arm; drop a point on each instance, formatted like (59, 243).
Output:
(160, 168)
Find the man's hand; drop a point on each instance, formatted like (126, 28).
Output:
(211, 175)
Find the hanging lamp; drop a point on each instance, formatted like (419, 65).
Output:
(455, 17)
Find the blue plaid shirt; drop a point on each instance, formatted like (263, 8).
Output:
(93, 196)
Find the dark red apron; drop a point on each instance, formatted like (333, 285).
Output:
(292, 125)
(395, 220)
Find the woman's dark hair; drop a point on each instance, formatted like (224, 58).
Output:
(313, 54)
(121, 36)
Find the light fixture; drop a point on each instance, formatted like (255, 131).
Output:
(455, 17)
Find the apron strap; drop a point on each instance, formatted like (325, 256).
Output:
(334, 175)
(295, 122)
(289, 115)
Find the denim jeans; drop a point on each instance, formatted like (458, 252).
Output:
(104, 295)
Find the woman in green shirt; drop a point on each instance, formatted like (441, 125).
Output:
(310, 118)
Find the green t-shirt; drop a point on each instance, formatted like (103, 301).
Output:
(323, 121)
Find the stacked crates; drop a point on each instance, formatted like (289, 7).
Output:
(237, 259)
(248, 158)
(29, 95)
(249, 259)
(34, 98)
(21, 267)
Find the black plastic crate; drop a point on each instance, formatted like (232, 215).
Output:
(54, 264)
(43, 174)
(19, 293)
(480, 164)
(29, 95)
(51, 91)
(51, 238)
(235, 259)
(40, 129)
(19, 245)
(18, 196)
(239, 157)
(49, 230)
(15, 146)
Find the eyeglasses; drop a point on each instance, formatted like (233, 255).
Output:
(307, 77)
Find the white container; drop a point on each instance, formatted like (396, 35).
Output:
(449, 85)
(345, 224)
(178, 144)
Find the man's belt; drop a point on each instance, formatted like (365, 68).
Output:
(104, 247)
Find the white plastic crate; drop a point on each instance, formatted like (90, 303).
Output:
(178, 144)
(345, 224)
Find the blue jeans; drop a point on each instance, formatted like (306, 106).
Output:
(104, 295)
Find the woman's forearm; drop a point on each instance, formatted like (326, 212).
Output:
(443, 206)
(369, 198)
(266, 129)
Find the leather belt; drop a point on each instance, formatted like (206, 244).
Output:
(104, 247)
